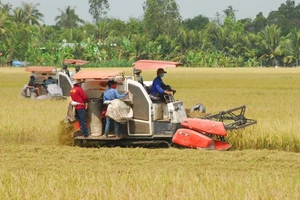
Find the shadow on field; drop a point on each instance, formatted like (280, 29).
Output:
(124, 144)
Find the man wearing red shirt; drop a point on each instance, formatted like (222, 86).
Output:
(77, 94)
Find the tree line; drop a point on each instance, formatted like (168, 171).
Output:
(161, 34)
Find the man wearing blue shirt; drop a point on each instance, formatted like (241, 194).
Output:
(158, 88)
(110, 94)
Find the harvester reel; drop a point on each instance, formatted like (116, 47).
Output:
(233, 118)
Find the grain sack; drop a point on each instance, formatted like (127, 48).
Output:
(119, 111)
(94, 114)
(54, 90)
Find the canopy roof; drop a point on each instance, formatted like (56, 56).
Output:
(41, 69)
(155, 64)
(96, 74)
(75, 62)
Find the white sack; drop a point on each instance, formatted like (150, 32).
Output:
(119, 111)
(54, 90)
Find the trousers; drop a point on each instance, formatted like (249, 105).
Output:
(107, 126)
(81, 117)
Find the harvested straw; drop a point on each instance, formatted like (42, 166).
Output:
(66, 131)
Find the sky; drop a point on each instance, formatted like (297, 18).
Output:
(124, 9)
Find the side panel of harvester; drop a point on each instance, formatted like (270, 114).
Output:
(200, 133)
(154, 119)
(65, 83)
(141, 123)
(205, 125)
(193, 139)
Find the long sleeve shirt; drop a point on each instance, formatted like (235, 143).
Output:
(111, 94)
(77, 94)
(157, 86)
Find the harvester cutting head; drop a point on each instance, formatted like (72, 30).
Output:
(210, 131)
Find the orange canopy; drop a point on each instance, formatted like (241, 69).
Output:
(75, 62)
(84, 74)
(40, 69)
(155, 64)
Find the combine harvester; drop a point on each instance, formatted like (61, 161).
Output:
(39, 90)
(52, 88)
(153, 123)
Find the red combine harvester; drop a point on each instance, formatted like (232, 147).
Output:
(153, 123)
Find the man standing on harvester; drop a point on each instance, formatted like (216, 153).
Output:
(80, 98)
(110, 94)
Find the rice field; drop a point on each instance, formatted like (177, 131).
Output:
(262, 164)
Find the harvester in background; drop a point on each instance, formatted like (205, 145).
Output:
(45, 81)
(153, 123)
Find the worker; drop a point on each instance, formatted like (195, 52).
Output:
(49, 81)
(77, 69)
(65, 70)
(32, 85)
(110, 94)
(31, 81)
(158, 89)
(77, 94)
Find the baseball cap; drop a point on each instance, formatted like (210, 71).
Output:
(161, 70)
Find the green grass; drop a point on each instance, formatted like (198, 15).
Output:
(263, 163)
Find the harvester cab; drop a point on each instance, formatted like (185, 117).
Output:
(153, 122)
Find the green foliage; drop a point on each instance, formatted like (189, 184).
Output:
(98, 9)
(259, 23)
(161, 17)
(161, 34)
(110, 63)
(197, 23)
(271, 39)
(68, 18)
(32, 14)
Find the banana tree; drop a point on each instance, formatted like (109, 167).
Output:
(126, 49)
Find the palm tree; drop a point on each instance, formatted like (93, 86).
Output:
(5, 7)
(33, 15)
(4, 21)
(270, 41)
(294, 37)
(18, 16)
(4, 31)
(102, 31)
(68, 18)
(289, 47)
